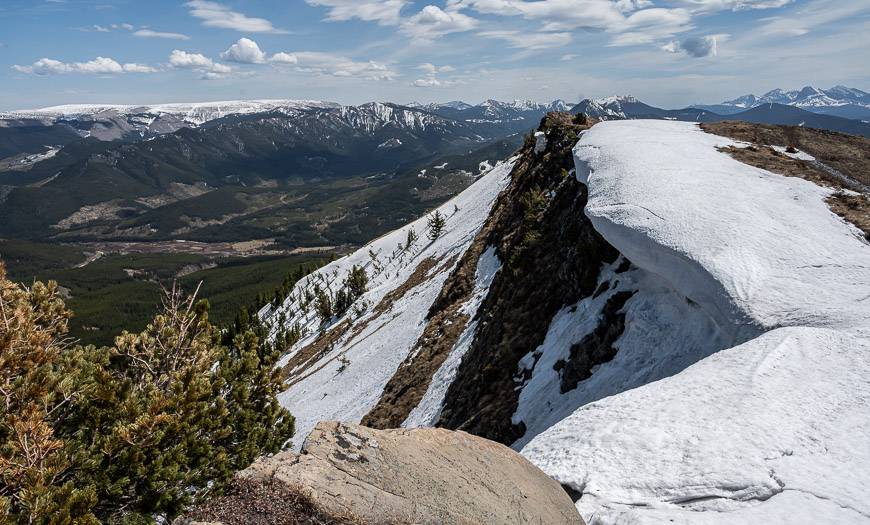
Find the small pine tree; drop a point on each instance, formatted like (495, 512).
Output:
(436, 225)
(323, 305)
(357, 282)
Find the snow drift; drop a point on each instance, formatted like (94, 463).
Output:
(772, 429)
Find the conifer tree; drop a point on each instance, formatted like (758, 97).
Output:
(436, 225)
(135, 431)
(35, 392)
(412, 238)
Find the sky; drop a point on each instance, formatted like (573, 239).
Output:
(670, 53)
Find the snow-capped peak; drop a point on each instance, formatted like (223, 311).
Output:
(806, 97)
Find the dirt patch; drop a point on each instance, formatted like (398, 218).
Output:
(296, 368)
(552, 257)
(250, 502)
(855, 208)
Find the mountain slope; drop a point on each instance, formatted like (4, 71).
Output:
(793, 116)
(259, 161)
(648, 305)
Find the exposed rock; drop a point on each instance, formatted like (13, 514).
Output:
(426, 476)
(552, 256)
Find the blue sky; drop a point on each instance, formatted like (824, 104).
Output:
(666, 52)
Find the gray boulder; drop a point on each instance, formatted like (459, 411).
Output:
(426, 476)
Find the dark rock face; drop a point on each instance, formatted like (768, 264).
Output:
(595, 348)
(552, 257)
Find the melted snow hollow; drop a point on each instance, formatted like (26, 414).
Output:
(759, 298)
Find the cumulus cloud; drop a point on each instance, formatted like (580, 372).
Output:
(431, 79)
(432, 22)
(99, 65)
(696, 46)
(209, 68)
(149, 33)
(530, 41)
(283, 58)
(384, 12)
(214, 14)
(244, 51)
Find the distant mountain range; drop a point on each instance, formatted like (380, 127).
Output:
(628, 107)
(839, 101)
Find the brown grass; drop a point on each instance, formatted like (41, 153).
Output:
(302, 360)
(847, 154)
(249, 502)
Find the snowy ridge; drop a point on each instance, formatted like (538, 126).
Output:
(326, 391)
(196, 113)
(739, 393)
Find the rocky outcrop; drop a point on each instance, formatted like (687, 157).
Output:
(426, 476)
(553, 258)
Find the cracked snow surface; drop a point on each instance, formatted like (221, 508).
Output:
(750, 401)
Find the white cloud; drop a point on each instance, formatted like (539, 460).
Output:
(432, 71)
(432, 22)
(733, 5)
(567, 58)
(427, 82)
(651, 25)
(696, 46)
(335, 65)
(199, 62)
(148, 33)
(283, 58)
(529, 40)
(99, 65)
(432, 68)
(384, 12)
(631, 21)
(214, 14)
(139, 68)
(245, 51)
(128, 27)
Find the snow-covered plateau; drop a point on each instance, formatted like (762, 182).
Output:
(738, 311)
